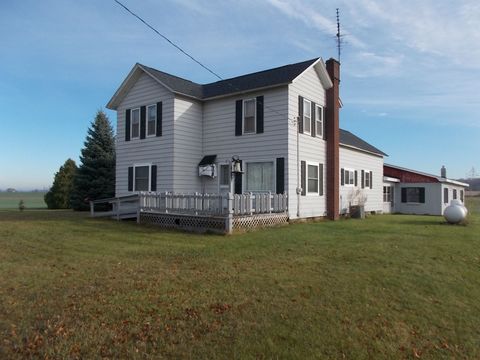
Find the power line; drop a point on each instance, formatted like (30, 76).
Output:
(167, 39)
(194, 59)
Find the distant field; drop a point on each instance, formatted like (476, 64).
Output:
(33, 200)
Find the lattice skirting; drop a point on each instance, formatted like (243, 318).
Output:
(194, 223)
(254, 221)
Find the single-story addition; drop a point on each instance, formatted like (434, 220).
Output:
(407, 191)
(265, 145)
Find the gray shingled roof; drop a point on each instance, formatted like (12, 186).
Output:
(267, 78)
(349, 139)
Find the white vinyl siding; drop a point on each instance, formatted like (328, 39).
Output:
(155, 150)
(358, 160)
(219, 135)
(311, 149)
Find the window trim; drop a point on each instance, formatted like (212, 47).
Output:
(146, 120)
(254, 116)
(274, 177)
(352, 184)
(149, 176)
(131, 123)
(319, 121)
(304, 116)
(307, 191)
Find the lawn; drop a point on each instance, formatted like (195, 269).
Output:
(32, 199)
(388, 287)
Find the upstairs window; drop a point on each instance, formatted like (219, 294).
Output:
(135, 127)
(151, 120)
(307, 117)
(249, 123)
(319, 120)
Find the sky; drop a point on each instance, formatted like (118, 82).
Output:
(410, 70)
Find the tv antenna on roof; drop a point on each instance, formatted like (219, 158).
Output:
(339, 36)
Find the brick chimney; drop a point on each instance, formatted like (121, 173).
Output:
(332, 132)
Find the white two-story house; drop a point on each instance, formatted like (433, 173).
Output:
(281, 124)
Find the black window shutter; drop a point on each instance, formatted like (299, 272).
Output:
(300, 115)
(127, 125)
(320, 179)
(280, 189)
(363, 179)
(371, 180)
(259, 114)
(303, 176)
(153, 178)
(238, 118)
(342, 176)
(404, 195)
(312, 117)
(238, 180)
(130, 178)
(422, 195)
(143, 121)
(356, 178)
(159, 118)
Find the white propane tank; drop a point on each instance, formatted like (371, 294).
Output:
(455, 212)
(459, 203)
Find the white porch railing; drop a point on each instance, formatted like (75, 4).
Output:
(213, 204)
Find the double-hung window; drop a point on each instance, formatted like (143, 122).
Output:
(349, 177)
(135, 127)
(445, 195)
(151, 120)
(142, 178)
(260, 177)
(387, 194)
(319, 120)
(307, 117)
(312, 179)
(249, 121)
(454, 194)
(367, 179)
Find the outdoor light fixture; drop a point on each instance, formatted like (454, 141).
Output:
(236, 165)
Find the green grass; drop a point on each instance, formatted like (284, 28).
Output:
(388, 287)
(32, 200)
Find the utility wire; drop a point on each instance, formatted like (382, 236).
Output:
(193, 58)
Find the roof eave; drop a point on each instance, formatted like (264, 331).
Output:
(245, 91)
(380, 154)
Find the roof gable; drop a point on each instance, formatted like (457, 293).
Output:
(259, 80)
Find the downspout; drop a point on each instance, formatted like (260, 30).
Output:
(298, 190)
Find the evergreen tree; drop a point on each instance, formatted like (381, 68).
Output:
(95, 177)
(58, 197)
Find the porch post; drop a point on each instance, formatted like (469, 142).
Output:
(229, 220)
